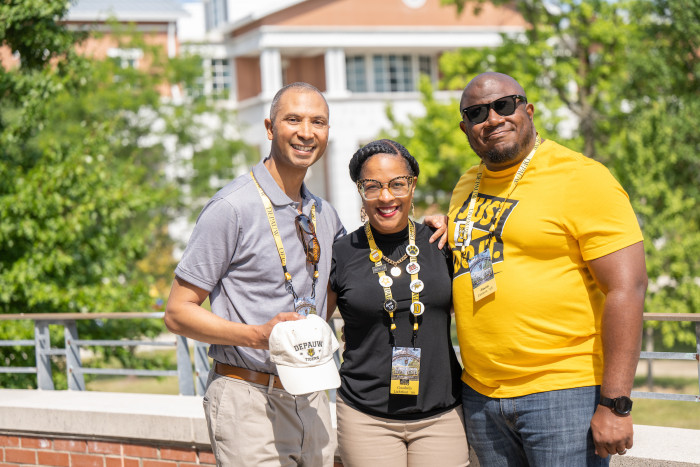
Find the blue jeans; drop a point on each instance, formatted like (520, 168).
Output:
(544, 429)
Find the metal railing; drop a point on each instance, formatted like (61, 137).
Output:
(191, 383)
(692, 317)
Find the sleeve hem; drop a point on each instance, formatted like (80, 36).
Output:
(610, 248)
(194, 280)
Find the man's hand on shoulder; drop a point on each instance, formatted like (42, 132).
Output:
(612, 434)
(261, 333)
(439, 223)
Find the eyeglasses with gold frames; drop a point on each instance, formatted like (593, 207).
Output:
(399, 187)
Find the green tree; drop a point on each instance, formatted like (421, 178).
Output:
(85, 199)
(627, 72)
(655, 155)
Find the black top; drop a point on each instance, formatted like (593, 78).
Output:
(366, 370)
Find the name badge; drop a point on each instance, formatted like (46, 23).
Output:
(305, 306)
(481, 271)
(405, 371)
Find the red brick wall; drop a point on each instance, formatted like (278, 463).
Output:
(27, 450)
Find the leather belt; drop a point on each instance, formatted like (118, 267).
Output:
(244, 374)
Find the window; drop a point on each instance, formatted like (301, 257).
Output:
(387, 73)
(216, 13)
(355, 72)
(220, 77)
(392, 73)
(425, 65)
(126, 58)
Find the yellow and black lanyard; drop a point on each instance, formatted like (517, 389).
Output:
(269, 210)
(416, 285)
(475, 194)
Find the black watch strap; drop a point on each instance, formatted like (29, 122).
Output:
(620, 405)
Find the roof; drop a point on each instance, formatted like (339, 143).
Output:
(126, 10)
(307, 15)
(246, 11)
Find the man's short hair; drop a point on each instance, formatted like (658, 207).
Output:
(299, 86)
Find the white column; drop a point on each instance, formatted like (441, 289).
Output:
(270, 72)
(233, 94)
(336, 79)
(172, 52)
(172, 39)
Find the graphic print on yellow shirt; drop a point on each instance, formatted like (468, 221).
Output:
(485, 211)
(540, 330)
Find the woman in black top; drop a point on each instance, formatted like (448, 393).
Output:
(399, 400)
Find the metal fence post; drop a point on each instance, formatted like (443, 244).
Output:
(184, 367)
(201, 366)
(42, 348)
(697, 351)
(650, 348)
(74, 366)
(332, 393)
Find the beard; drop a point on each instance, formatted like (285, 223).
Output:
(498, 156)
(508, 153)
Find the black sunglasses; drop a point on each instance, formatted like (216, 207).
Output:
(503, 106)
(311, 247)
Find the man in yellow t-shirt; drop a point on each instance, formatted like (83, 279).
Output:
(548, 290)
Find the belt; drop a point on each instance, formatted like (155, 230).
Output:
(244, 374)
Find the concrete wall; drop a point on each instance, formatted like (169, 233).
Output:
(69, 428)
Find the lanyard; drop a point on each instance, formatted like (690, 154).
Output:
(269, 210)
(416, 285)
(475, 193)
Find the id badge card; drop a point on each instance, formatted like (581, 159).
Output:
(405, 370)
(305, 306)
(481, 271)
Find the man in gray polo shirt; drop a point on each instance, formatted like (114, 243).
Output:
(234, 259)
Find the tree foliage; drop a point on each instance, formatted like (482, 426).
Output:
(618, 81)
(94, 164)
(656, 155)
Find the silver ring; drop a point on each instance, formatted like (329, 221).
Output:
(622, 453)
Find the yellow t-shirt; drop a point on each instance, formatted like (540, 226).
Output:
(540, 330)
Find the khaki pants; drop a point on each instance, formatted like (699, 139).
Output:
(368, 441)
(251, 426)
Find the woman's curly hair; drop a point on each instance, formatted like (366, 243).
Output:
(382, 146)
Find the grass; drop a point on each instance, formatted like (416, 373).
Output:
(134, 384)
(137, 384)
(678, 414)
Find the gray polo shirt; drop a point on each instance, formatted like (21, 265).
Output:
(232, 254)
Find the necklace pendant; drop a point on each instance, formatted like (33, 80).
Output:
(396, 271)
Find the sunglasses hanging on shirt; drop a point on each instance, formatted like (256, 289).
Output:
(307, 233)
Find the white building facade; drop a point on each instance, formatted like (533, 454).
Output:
(362, 54)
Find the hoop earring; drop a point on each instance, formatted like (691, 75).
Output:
(363, 215)
(413, 210)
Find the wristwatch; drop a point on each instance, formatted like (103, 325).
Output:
(620, 405)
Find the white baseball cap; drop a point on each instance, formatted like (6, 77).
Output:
(303, 352)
